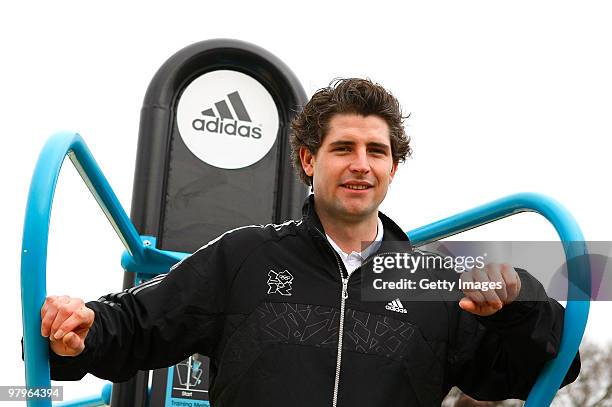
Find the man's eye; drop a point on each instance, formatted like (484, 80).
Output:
(341, 149)
(378, 151)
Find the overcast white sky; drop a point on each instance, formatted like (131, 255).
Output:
(504, 97)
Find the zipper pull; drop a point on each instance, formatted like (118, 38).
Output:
(344, 288)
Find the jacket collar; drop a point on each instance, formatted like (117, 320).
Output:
(392, 231)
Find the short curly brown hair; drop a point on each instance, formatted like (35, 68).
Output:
(349, 95)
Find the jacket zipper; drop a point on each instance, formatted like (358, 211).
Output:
(343, 297)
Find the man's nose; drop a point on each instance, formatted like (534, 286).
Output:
(360, 162)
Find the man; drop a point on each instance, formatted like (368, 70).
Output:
(278, 307)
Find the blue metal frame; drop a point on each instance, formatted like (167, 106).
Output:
(36, 234)
(141, 256)
(104, 398)
(579, 290)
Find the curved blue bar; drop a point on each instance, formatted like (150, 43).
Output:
(102, 399)
(577, 310)
(35, 239)
(91, 401)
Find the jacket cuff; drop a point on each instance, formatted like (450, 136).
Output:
(74, 367)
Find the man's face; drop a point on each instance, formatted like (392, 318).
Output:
(353, 167)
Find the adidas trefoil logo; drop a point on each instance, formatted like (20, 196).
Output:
(396, 305)
(225, 123)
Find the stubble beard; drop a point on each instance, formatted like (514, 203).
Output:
(344, 210)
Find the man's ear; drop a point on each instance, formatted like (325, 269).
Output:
(393, 171)
(308, 161)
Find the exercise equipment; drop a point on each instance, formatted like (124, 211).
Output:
(171, 162)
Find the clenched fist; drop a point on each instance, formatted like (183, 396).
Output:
(66, 321)
(489, 288)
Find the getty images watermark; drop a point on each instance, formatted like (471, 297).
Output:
(411, 263)
(443, 271)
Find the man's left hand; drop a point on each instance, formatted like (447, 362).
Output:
(485, 302)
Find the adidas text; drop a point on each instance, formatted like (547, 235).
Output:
(230, 128)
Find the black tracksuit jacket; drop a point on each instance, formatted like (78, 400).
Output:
(272, 335)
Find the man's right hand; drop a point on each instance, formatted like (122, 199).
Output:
(66, 321)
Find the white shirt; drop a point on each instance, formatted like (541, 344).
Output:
(353, 261)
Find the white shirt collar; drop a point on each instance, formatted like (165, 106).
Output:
(354, 259)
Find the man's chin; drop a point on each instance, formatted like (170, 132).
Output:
(357, 212)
